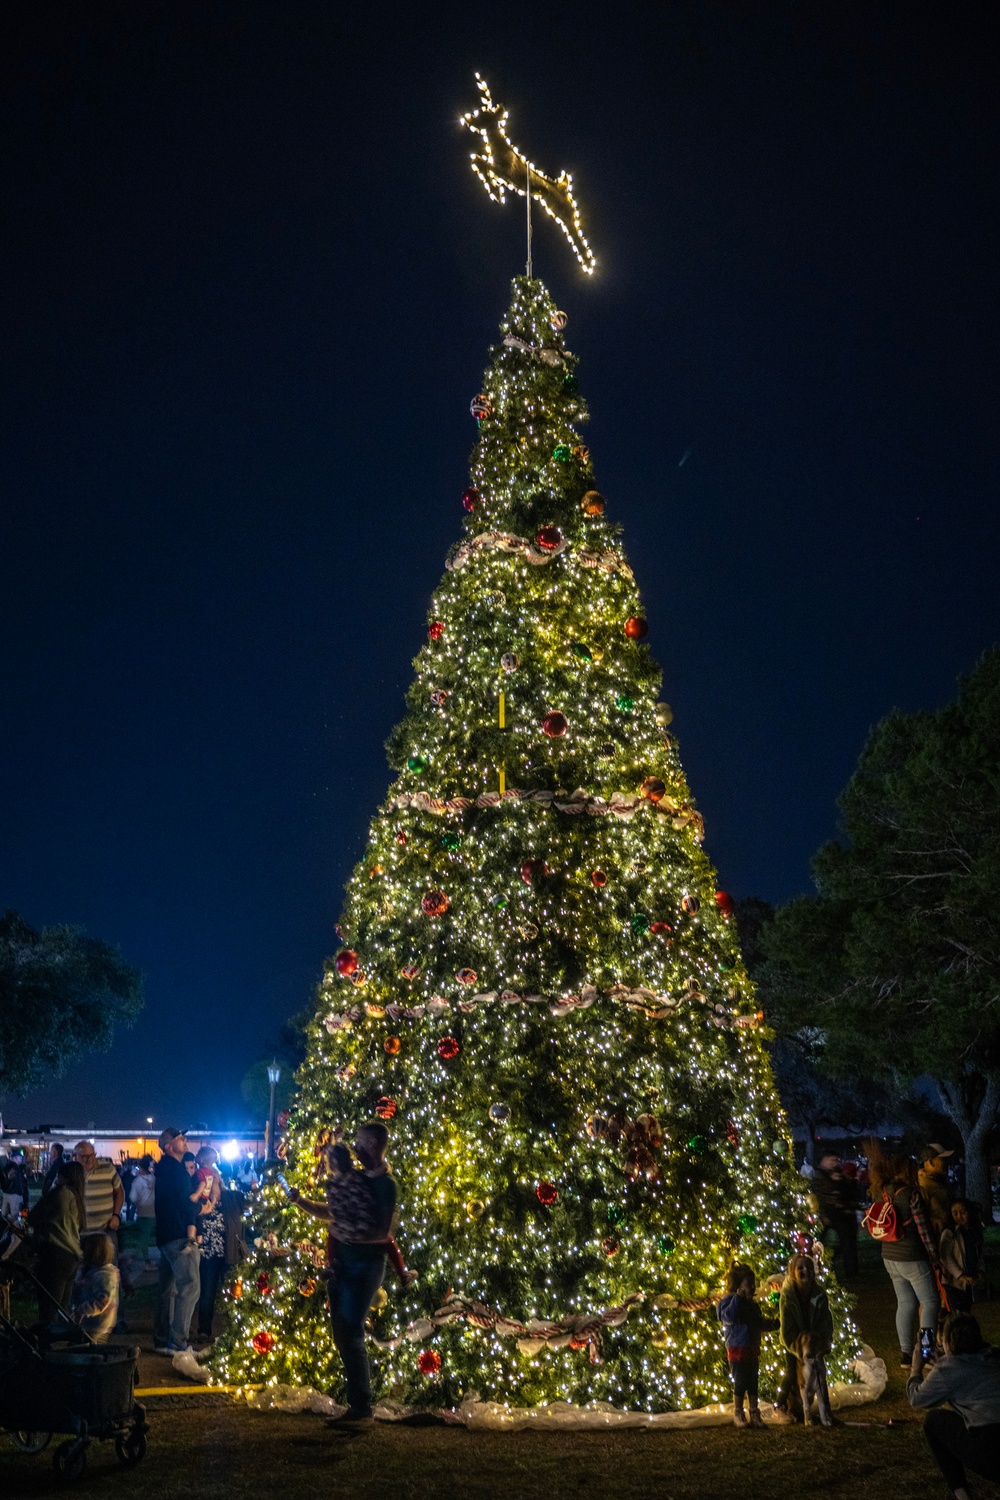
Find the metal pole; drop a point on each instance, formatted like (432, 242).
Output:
(528, 197)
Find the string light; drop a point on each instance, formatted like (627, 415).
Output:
(502, 168)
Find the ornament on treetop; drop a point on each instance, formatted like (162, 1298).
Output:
(435, 903)
(548, 538)
(592, 503)
(546, 1193)
(471, 498)
(346, 962)
(636, 628)
(653, 789)
(555, 724)
(448, 1048)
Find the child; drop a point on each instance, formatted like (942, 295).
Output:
(96, 1293)
(962, 1258)
(743, 1323)
(348, 1207)
(804, 1309)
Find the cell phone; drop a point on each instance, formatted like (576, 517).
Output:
(926, 1342)
(284, 1183)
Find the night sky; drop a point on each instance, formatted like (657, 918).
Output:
(249, 286)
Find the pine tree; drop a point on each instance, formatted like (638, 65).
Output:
(540, 987)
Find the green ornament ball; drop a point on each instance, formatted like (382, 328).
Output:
(615, 1213)
(780, 1148)
(417, 764)
(561, 453)
(624, 703)
(499, 902)
(774, 1296)
(570, 382)
(697, 1145)
(747, 1223)
(450, 840)
(665, 1245)
(583, 652)
(640, 922)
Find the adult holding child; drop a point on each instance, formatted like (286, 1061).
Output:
(967, 1377)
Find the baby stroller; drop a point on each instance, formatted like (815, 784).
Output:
(54, 1379)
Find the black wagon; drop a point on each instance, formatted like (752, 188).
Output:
(55, 1380)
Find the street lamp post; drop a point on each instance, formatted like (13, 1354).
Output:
(273, 1075)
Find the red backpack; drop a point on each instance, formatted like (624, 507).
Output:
(882, 1222)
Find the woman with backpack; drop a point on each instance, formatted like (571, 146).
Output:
(898, 1222)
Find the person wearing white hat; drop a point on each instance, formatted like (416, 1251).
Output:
(935, 1189)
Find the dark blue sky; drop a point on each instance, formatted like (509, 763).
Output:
(249, 286)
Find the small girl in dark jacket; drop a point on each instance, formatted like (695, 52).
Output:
(743, 1323)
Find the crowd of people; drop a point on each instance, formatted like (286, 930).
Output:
(179, 1204)
(931, 1242)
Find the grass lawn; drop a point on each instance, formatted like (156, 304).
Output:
(205, 1445)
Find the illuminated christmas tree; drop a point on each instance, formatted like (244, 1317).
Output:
(540, 987)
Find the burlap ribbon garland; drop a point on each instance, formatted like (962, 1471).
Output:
(579, 1332)
(620, 805)
(607, 560)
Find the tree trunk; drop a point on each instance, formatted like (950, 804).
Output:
(975, 1127)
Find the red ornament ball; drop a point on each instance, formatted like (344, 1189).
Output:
(653, 789)
(471, 498)
(401, 836)
(610, 1246)
(725, 903)
(555, 724)
(263, 1285)
(409, 971)
(690, 904)
(732, 1133)
(346, 961)
(448, 1048)
(546, 1193)
(548, 538)
(263, 1341)
(661, 929)
(428, 1362)
(636, 628)
(392, 1045)
(532, 867)
(592, 503)
(435, 903)
(386, 1107)
(598, 878)
(466, 976)
(436, 629)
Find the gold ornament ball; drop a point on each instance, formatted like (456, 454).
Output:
(475, 1208)
(592, 503)
(380, 1299)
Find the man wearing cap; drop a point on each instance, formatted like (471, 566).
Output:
(177, 1240)
(935, 1188)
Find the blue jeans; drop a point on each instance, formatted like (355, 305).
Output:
(180, 1281)
(351, 1296)
(914, 1285)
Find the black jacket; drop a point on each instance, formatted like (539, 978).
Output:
(174, 1209)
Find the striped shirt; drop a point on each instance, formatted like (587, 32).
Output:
(99, 1194)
